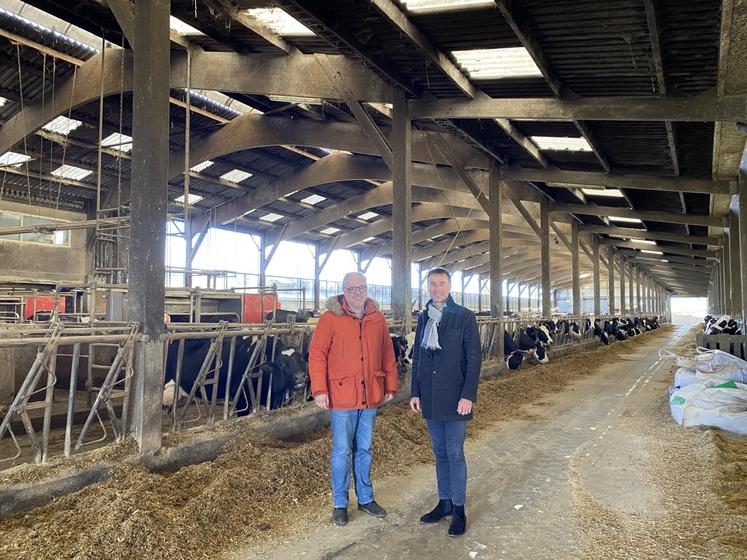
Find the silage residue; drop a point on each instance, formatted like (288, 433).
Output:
(259, 489)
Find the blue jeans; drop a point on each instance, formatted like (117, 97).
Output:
(352, 433)
(447, 439)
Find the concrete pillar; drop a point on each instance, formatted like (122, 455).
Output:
(461, 294)
(420, 287)
(742, 233)
(631, 297)
(735, 272)
(726, 270)
(401, 143)
(623, 303)
(545, 256)
(150, 174)
(317, 273)
(575, 269)
(638, 306)
(595, 264)
(495, 247)
(611, 281)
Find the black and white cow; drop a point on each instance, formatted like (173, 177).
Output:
(283, 370)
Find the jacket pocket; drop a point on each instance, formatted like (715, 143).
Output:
(376, 389)
(343, 391)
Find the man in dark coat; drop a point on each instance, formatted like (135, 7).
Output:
(445, 373)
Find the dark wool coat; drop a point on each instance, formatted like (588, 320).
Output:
(441, 377)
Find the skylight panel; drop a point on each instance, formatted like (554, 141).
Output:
(625, 220)
(368, 216)
(270, 217)
(182, 28)
(235, 176)
(314, 199)
(71, 172)
(14, 159)
(201, 166)
(3, 101)
(494, 64)
(559, 144)
(280, 22)
(368, 239)
(193, 199)
(644, 241)
(62, 125)
(651, 252)
(434, 6)
(611, 193)
(117, 141)
(330, 230)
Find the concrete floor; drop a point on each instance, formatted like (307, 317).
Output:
(523, 478)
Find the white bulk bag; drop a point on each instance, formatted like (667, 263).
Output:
(711, 404)
(687, 376)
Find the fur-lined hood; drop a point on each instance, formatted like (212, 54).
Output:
(334, 304)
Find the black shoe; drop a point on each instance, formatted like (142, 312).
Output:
(340, 516)
(443, 509)
(372, 508)
(458, 522)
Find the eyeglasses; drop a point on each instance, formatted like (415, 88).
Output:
(356, 289)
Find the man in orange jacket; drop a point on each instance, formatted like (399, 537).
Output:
(352, 370)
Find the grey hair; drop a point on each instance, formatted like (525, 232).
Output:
(350, 275)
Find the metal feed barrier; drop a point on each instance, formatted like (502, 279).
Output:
(61, 350)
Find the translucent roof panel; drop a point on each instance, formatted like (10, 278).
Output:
(3, 101)
(368, 239)
(611, 193)
(62, 125)
(270, 217)
(280, 22)
(193, 199)
(368, 215)
(434, 6)
(71, 172)
(493, 64)
(118, 141)
(560, 144)
(182, 28)
(625, 220)
(235, 176)
(201, 166)
(314, 199)
(330, 230)
(651, 252)
(13, 158)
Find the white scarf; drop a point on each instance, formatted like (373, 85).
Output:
(430, 337)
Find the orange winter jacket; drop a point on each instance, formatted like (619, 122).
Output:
(351, 359)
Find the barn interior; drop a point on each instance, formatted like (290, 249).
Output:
(184, 181)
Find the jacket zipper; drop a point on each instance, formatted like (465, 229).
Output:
(360, 341)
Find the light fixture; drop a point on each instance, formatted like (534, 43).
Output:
(494, 64)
